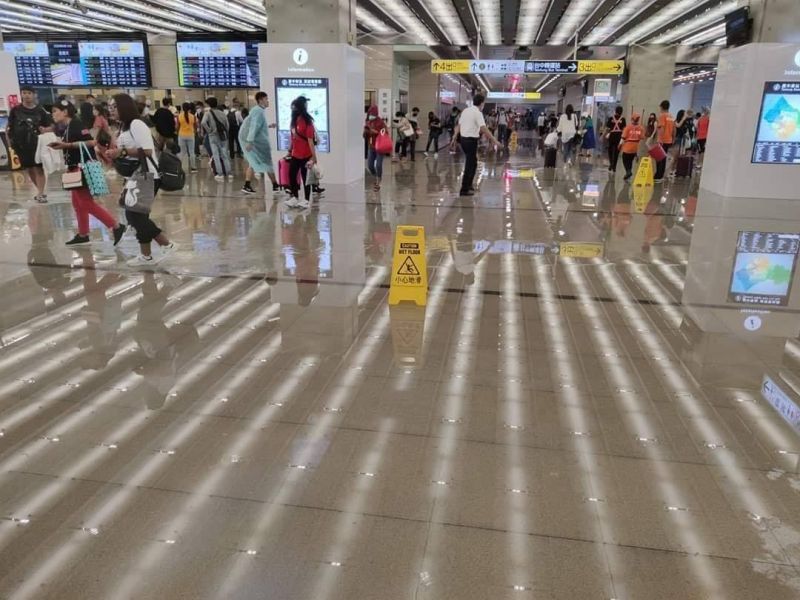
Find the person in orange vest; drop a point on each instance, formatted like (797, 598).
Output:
(632, 136)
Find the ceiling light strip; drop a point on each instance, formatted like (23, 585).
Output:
(444, 14)
(91, 15)
(670, 13)
(706, 36)
(622, 13)
(34, 16)
(146, 9)
(399, 12)
(213, 15)
(531, 14)
(372, 22)
(488, 12)
(571, 20)
(699, 22)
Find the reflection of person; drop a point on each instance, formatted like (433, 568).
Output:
(462, 246)
(41, 261)
(254, 140)
(25, 122)
(302, 152)
(305, 242)
(163, 356)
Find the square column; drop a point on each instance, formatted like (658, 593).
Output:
(650, 73)
(311, 21)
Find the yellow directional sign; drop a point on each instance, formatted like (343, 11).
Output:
(409, 269)
(581, 250)
(601, 67)
(533, 95)
(644, 174)
(450, 66)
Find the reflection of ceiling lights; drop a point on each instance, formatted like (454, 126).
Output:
(531, 13)
(709, 35)
(489, 19)
(695, 76)
(571, 20)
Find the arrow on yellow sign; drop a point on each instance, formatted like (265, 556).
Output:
(601, 67)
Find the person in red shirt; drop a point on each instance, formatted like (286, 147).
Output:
(372, 129)
(702, 133)
(302, 152)
(632, 136)
(665, 133)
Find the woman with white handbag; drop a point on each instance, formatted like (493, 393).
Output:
(77, 143)
(135, 146)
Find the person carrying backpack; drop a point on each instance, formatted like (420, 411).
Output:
(215, 126)
(25, 122)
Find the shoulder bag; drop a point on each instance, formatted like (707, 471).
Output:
(139, 191)
(93, 173)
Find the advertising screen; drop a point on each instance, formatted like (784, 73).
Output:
(33, 62)
(763, 268)
(316, 90)
(81, 62)
(778, 134)
(220, 63)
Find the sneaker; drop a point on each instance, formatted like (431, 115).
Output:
(435, 155)
(193, 171)
(219, 177)
(118, 232)
(292, 202)
(276, 187)
(142, 261)
(425, 154)
(247, 189)
(303, 204)
(79, 240)
(40, 198)
(169, 248)
(230, 176)
(466, 193)
(319, 190)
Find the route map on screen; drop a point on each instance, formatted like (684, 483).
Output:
(763, 268)
(778, 134)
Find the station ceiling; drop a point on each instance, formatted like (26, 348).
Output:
(442, 23)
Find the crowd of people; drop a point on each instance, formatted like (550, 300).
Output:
(92, 139)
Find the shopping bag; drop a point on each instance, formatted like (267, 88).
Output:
(657, 152)
(93, 173)
(139, 191)
(383, 143)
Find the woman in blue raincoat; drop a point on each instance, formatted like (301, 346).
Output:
(254, 140)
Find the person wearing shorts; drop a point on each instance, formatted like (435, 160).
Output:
(25, 122)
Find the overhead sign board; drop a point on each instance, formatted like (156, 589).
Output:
(513, 96)
(545, 67)
(601, 67)
(491, 67)
(568, 67)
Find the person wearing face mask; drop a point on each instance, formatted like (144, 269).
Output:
(254, 141)
(413, 118)
(76, 137)
(372, 129)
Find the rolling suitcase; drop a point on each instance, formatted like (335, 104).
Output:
(684, 166)
(550, 157)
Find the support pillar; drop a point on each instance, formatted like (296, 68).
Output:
(311, 21)
(650, 73)
(774, 21)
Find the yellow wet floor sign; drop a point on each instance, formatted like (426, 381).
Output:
(644, 175)
(641, 198)
(409, 269)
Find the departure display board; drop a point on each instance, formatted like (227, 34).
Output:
(778, 135)
(77, 62)
(33, 62)
(315, 89)
(223, 63)
(763, 268)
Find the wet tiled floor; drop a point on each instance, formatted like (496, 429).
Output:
(587, 407)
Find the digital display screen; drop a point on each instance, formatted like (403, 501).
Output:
(33, 62)
(763, 268)
(218, 63)
(65, 62)
(316, 90)
(778, 136)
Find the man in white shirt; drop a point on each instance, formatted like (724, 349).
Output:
(470, 127)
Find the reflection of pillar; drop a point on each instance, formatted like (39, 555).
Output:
(423, 92)
(650, 72)
(319, 311)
